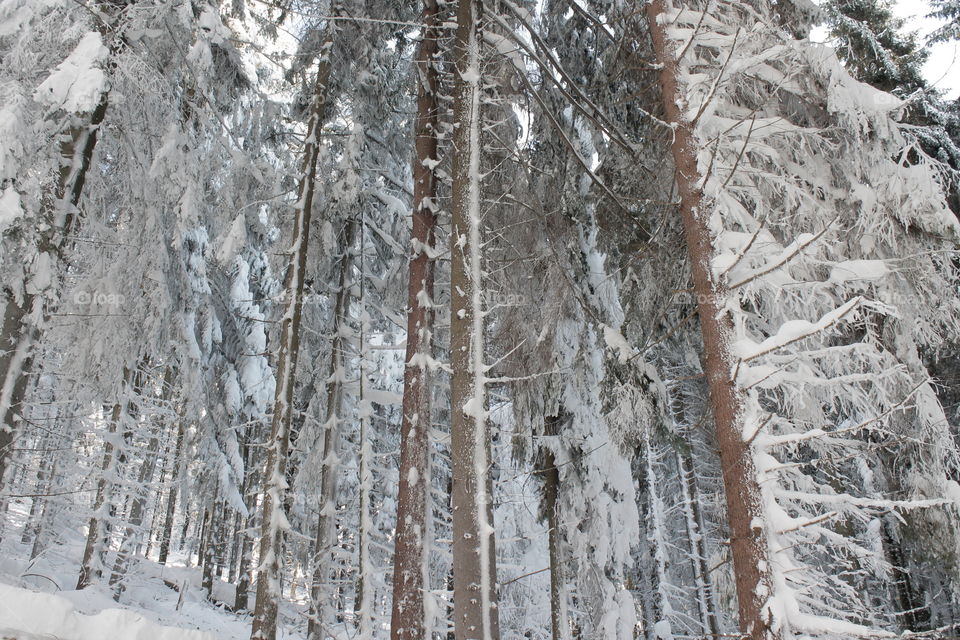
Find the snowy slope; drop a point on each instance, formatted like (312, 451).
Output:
(27, 614)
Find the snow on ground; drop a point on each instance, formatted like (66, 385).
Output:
(37, 599)
(26, 614)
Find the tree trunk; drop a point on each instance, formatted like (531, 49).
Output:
(409, 569)
(154, 533)
(90, 565)
(912, 615)
(698, 551)
(15, 344)
(167, 533)
(19, 333)
(645, 572)
(205, 557)
(331, 436)
(748, 542)
(137, 511)
(250, 481)
(549, 508)
(363, 599)
(221, 548)
(46, 519)
(144, 479)
(657, 532)
(31, 527)
(474, 561)
(184, 530)
(233, 538)
(268, 574)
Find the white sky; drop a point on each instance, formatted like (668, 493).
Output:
(943, 68)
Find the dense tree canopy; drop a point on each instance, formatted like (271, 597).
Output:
(513, 319)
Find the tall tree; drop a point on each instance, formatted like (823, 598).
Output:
(475, 612)
(876, 48)
(747, 540)
(758, 228)
(273, 522)
(27, 303)
(409, 572)
(326, 500)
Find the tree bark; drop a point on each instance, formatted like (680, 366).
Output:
(46, 518)
(744, 510)
(208, 545)
(184, 530)
(657, 532)
(363, 598)
(409, 569)
(15, 344)
(221, 531)
(474, 559)
(31, 528)
(271, 526)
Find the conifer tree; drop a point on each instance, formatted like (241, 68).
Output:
(873, 44)
(273, 522)
(949, 12)
(412, 499)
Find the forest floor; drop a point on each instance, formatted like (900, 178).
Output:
(37, 600)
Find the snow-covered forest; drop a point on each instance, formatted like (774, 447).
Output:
(477, 319)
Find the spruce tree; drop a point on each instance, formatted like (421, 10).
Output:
(873, 45)
(875, 48)
(948, 11)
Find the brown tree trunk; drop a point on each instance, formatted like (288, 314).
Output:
(407, 620)
(747, 542)
(475, 615)
(268, 574)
